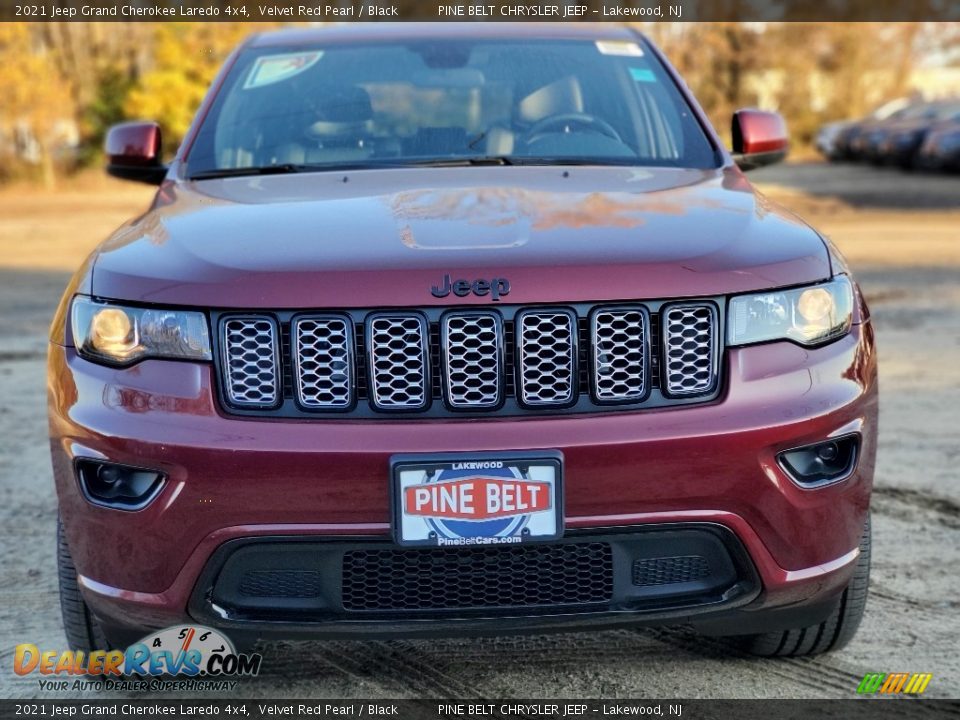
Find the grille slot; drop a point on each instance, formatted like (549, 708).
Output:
(670, 570)
(251, 361)
(451, 579)
(621, 352)
(398, 361)
(323, 355)
(472, 359)
(547, 357)
(281, 584)
(689, 349)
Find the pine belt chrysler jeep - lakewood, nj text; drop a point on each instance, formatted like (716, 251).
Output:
(439, 330)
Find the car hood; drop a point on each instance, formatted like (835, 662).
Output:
(385, 237)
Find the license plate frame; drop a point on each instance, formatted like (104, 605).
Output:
(499, 473)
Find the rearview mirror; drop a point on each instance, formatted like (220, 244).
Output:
(133, 152)
(759, 138)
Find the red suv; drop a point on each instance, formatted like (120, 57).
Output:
(461, 329)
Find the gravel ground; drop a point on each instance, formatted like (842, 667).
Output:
(907, 256)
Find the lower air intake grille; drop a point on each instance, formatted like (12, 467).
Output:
(450, 579)
(281, 584)
(670, 570)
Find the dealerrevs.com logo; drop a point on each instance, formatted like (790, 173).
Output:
(182, 657)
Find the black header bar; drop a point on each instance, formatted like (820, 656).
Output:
(481, 10)
(513, 709)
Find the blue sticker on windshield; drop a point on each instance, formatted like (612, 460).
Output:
(642, 75)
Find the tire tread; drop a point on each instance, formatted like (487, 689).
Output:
(831, 634)
(81, 628)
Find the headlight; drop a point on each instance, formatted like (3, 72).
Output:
(807, 315)
(122, 335)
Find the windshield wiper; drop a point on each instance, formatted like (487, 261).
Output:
(439, 162)
(288, 168)
(468, 161)
(584, 161)
(282, 169)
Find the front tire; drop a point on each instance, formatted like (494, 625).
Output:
(831, 634)
(80, 626)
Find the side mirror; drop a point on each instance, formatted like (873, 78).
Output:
(759, 138)
(133, 152)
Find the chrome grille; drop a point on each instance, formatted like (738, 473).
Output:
(398, 361)
(689, 349)
(479, 361)
(620, 354)
(546, 350)
(250, 361)
(323, 359)
(473, 359)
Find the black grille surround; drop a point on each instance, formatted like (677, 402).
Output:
(585, 398)
(323, 583)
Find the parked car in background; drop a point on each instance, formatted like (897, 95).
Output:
(941, 148)
(826, 139)
(900, 141)
(869, 145)
(834, 139)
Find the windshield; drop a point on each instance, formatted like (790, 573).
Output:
(423, 102)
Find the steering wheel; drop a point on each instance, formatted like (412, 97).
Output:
(563, 121)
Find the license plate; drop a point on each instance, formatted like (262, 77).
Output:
(477, 500)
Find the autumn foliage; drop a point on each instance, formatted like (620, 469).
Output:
(62, 84)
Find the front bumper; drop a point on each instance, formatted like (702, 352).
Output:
(349, 587)
(235, 479)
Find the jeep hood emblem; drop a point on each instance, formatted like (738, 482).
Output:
(495, 287)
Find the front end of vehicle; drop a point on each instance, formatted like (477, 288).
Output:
(717, 457)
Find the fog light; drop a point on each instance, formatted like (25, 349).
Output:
(118, 486)
(822, 463)
(828, 452)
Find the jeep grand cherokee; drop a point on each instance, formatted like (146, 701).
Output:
(461, 329)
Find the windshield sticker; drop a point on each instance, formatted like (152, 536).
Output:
(644, 75)
(619, 47)
(270, 69)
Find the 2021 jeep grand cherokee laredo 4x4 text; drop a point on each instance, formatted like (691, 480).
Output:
(461, 329)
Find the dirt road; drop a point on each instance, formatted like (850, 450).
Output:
(908, 261)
